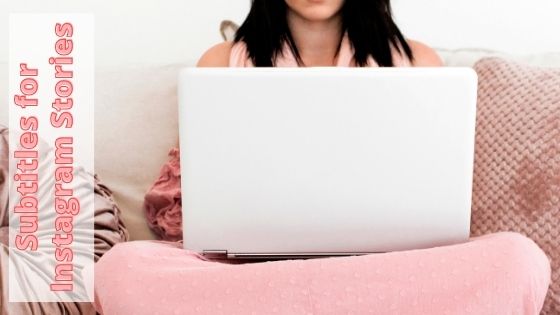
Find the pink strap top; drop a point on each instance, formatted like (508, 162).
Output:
(239, 57)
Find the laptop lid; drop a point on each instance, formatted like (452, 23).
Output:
(290, 162)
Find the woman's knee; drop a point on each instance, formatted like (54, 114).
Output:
(526, 263)
(524, 251)
(124, 249)
(121, 255)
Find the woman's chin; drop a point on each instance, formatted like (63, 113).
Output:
(315, 10)
(317, 14)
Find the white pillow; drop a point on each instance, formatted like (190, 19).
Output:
(135, 126)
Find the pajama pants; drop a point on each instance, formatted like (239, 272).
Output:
(503, 273)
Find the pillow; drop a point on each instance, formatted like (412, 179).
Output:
(228, 29)
(517, 162)
(135, 126)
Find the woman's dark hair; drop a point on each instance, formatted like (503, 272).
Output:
(368, 23)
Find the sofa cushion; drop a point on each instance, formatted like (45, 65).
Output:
(135, 126)
(517, 160)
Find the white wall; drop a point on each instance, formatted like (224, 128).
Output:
(170, 31)
(514, 26)
(140, 31)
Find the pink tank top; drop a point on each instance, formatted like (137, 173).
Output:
(239, 57)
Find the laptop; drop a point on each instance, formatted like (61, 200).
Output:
(281, 163)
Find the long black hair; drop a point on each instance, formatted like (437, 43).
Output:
(369, 24)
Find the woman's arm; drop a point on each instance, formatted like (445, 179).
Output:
(217, 56)
(424, 56)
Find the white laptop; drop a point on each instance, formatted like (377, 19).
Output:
(314, 162)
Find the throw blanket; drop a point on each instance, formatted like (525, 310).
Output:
(109, 230)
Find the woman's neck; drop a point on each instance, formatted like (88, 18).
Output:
(317, 42)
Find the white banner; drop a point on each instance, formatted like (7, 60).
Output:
(51, 72)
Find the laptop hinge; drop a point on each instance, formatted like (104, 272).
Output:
(215, 254)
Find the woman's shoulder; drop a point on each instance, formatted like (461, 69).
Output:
(220, 55)
(424, 55)
(217, 56)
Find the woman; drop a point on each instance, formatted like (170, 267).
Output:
(496, 274)
(319, 33)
